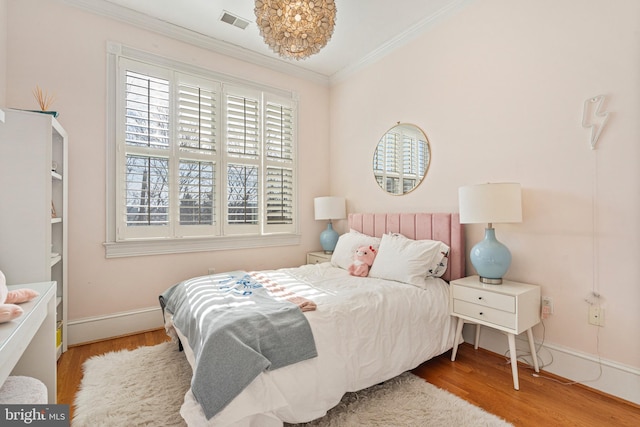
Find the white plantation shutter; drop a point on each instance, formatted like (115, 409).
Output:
(391, 162)
(194, 160)
(278, 132)
(243, 124)
(392, 153)
(147, 191)
(197, 106)
(279, 181)
(196, 192)
(242, 197)
(415, 158)
(378, 164)
(279, 196)
(143, 176)
(423, 157)
(410, 162)
(409, 155)
(378, 159)
(146, 111)
(196, 118)
(242, 114)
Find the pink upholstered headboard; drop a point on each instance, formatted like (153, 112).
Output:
(444, 227)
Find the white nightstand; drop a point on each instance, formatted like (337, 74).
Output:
(318, 257)
(511, 307)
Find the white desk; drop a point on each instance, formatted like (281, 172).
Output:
(28, 343)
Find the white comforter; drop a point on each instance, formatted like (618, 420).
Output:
(366, 331)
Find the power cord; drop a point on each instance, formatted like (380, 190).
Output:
(594, 297)
(521, 356)
(542, 364)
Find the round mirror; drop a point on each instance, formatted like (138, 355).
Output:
(401, 159)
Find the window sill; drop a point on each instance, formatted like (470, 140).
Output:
(174, 246)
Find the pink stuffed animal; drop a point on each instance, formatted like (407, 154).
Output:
(8, 300)
(363, 259)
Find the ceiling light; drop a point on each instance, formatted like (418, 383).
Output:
(295, 28)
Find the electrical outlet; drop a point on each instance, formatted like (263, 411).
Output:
(547, 305)
(596, 315)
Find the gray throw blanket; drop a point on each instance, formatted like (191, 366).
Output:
(236, 330)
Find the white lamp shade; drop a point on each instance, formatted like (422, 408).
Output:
(329, 208)
(490, 203)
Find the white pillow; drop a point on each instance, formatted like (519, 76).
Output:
(347, 244)
(409, 261)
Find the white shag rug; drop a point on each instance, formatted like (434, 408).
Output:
(146, 386)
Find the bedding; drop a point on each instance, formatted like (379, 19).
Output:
(410, 261)
(239, 324)
(365, 329)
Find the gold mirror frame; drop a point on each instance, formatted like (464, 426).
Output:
(401, 159)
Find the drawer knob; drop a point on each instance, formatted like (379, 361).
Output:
(481, 313)
(479, 298)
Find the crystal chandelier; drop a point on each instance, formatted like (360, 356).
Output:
(295, 28)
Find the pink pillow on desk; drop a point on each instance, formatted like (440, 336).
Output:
(7, 311)
(8, 300)
(20, 295)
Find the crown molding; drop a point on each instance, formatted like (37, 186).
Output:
(140, 20)
(400, 40)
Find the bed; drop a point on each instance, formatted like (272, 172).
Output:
(365, 330)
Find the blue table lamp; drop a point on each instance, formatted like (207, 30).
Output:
(490, 203)
(329, 208)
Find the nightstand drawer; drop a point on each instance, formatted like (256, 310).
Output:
(485, 298)
(487, 314)
(318, 257)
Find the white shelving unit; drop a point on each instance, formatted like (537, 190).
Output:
(33, 185)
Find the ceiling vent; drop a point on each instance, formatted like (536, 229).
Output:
(236, 21)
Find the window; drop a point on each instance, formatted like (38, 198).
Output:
(199, 158)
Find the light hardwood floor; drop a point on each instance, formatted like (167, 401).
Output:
(478, 376)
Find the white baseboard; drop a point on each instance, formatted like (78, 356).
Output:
(103, 327)
(616, 379)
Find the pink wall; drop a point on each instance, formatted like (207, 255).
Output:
(499, 89)
(65, 52)
(3, 51)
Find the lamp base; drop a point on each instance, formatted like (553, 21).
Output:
(490, 258)
(489, 281)
(329, 239)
